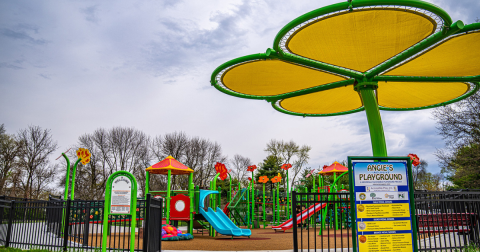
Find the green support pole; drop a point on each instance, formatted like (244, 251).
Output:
(191, 190)
(375, 126)
(336, 204)
(274, 212)
(278, 204)
(230, 189)
(253, 199)
(287, 205)
(67, 178)
(147, 183)
(169, 176)
(314, 189)
(248, 206)
(73, 178)
(263, 199)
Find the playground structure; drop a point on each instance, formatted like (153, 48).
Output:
(249, 207)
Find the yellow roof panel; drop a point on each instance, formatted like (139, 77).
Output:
(361, 39)
(274, 77)
(418, 94)
(330, 101)
(457, 56)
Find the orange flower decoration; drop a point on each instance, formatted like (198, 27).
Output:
(277, 178)
(84, 155)
(263, 179)
(286, 166)
(415, 159)
(252, 168)
(220, 168)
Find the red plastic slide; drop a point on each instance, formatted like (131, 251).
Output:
(301, 216)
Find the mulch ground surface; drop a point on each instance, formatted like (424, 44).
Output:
(262, 239)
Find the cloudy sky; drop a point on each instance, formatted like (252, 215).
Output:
(75, 66)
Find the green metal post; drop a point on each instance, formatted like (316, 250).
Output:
(278, 204)
(274, 212)
(169, 176)
(253, 199)
(191, 190)
(377, 136)
(147, 183)
(263, 200)
(313, 189)
(287, 205)
(67, 179)
(336, 205)
(73, 178)
(248, 206)
(230, 190)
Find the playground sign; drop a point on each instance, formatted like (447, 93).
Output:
(121, 195)
(120, 199)
(383, 208)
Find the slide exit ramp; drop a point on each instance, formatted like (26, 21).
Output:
(218, 219)
(301, 216)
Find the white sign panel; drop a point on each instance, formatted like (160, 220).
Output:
(121, 195)
(373, 196)
(380, 174)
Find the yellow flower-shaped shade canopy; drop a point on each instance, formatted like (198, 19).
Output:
(361, 39)
(402, 48)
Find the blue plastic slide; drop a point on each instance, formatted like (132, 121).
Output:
(219, 221)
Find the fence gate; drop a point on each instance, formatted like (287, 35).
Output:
(61, 225)
(324, 221)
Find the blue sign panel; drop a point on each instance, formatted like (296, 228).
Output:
(382, 206)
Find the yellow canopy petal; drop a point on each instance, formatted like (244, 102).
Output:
(330, 101)
(361, 39)
(418, 94)
(457, 56)
(274, 77)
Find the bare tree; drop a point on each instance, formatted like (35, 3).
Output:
(302, 159)
(459, 125)
(196, 153)
(240, 164)
(36, 147)
(9, 151)
(285, 151)
(112, 150)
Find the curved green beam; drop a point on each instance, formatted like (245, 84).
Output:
(279, 109)
(213, 81)
(358, 3)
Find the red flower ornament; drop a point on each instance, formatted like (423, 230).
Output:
(286, 166)
(220, 168)
(415, 159)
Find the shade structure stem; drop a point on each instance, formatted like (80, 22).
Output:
(375, 125)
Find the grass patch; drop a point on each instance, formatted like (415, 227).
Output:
(3, 249)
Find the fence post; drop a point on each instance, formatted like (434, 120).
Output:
(294, 221)
(66, 225)
(10, 222)
(145, 222)
(86, 224)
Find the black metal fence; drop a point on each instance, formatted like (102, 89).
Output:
(446, 221)
(324, 221)
(61, 225)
